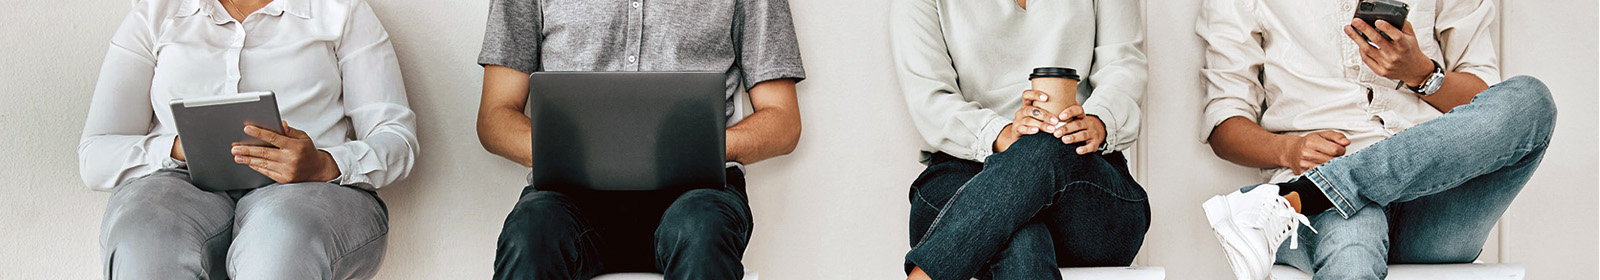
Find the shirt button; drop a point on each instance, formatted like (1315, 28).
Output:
(632, 59)
(636, 4)
(1347, 6)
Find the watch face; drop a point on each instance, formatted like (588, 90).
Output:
(1433, 84)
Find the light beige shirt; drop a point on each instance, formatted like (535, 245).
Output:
(1289, 66)
(329, 62)
(963, 64)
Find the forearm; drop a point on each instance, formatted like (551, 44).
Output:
(1244, 142)
(506, 133)
(765, 134)
(1458, 89)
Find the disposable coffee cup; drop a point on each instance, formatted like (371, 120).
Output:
(1061, 84)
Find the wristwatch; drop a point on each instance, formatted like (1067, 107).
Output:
(1432, 84)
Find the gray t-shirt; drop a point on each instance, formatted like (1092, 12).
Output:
(750, 40)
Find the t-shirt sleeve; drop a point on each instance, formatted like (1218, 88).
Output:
(767, 46)
(511, 37)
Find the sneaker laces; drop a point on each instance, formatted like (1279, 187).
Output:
(1279, 216)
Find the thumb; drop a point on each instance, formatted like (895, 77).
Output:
(292, 132)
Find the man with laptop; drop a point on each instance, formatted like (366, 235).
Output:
(572, 222)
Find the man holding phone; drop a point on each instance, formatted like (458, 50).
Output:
(1401, 136)
(555, 233)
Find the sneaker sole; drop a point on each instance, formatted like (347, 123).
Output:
(1218, 213)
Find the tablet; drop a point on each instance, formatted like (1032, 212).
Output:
(208, 127)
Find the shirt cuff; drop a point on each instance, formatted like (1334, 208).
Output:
(349, 164)
(1112, 126)
(159, 151)
(984, 147)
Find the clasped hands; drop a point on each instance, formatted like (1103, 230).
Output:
(1071, 125)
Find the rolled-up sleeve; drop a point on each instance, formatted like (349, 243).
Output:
(768, 49)
(947, 121)
(1462, 28)
(385, 145)
(1119, 73)
(1234, 58)
(117, 142)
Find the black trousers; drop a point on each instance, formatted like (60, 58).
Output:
(578, 234)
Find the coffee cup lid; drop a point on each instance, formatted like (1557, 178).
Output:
(1053, 72)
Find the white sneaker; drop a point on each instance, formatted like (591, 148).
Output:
(1251, 226)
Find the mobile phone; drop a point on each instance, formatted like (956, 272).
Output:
(1392, 11)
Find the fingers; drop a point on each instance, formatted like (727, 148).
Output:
(1309, 159)
(1355, 36)
(1074, 126)
(1072, 112)
(266, 135)
(1031, 96)
(1372, 34)
(1074, 138)
(1093, 145)
(1325, 147)
(1028, 125)
(274, 174)
(272, 169)
(1336, 137)
(1388, 28)
(273, 154)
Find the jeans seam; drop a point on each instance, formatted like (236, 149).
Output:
(363, 245)
(918, 193)
(1330, 187)
(936, 218)
(1102, 188)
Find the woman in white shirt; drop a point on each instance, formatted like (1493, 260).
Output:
(350, 133)
(1008, 194)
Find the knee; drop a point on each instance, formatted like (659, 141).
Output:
(310, 212)
(1033, 148)
(539, 222)
(157, 211)
(702, 220)
(1529, 103)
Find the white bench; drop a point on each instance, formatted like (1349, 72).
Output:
(1115, 272)
(1464, 271)
(748, 275)
(1127, 273)
(1123, 273)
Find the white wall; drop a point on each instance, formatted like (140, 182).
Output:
(835, 209)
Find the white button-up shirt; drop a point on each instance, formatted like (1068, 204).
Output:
(1289, 66)
(329, 62)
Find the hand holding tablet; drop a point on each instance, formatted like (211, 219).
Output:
(295, 158)
(233, 142)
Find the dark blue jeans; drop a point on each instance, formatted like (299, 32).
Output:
(1033, 208)
(578, 234)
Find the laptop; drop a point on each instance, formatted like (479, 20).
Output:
(209, 126)
(628, 131)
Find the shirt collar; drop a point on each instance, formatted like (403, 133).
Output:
(219, 15)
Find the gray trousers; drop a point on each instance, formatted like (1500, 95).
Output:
(162, 227)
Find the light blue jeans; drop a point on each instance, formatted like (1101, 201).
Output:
(162, 227)
(1431, 193)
